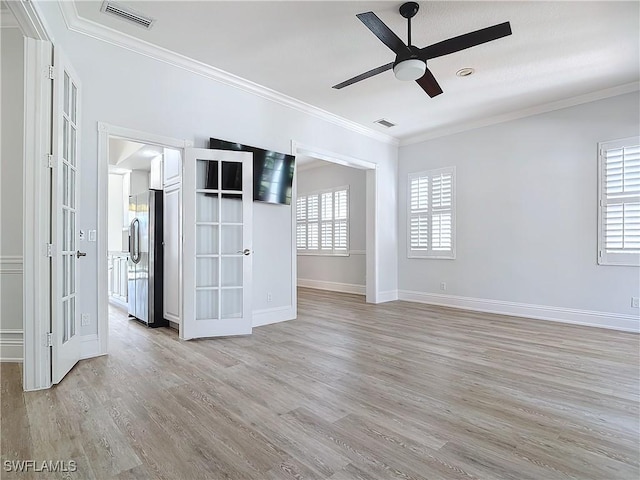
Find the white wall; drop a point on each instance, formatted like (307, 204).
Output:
(315, 270)
(526, 215)
(116, 207)
(11, 135)
(138, 181)
(155, 97)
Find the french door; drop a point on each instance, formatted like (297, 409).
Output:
(217, 220)
(65, 322)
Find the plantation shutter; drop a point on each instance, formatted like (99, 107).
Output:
(301, 227)
(323, 222)
(419, 206)
(326, 238)
(431, 219)
(619, 212)
(341, 224)
(312, 222)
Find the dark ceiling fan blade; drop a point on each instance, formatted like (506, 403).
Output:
(362, 76)
(467, 40)
(429, 84)
(383, 32)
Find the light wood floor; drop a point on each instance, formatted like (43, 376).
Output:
(346, 391)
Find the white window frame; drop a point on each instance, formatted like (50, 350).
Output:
(322, 250)
(604, 257)
(428, 252)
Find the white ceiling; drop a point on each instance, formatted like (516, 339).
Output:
(128, 155)
(558, 50)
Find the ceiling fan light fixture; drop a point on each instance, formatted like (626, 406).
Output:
(410, 69)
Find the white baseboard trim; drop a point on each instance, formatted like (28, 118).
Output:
(11, 346)
(388, 296)
(90, 346)
(267, 316)
(332, 286)
(614, 321)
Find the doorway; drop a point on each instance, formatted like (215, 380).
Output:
(133, 162)
(331, 226)
(365, 175)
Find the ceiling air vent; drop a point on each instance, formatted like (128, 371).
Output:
(125, 13)
(385, 123)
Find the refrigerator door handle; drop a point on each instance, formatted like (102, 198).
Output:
(134, 240)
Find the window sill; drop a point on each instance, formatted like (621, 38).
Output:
(320, 254)
(431, 257)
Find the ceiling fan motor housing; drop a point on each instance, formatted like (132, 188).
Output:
(409, 66)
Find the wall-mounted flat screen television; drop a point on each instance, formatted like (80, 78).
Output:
(272, 171)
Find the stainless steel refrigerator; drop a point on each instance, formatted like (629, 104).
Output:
(145, 258)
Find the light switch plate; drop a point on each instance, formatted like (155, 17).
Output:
(92, 235)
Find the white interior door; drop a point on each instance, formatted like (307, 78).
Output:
(65, 322)
(217, 218)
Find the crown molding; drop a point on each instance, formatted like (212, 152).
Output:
(27, 17)
(526, 112)
(109, 35)
(8, 20)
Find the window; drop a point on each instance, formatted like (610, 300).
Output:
(619, 205)
(323, 222)
(432, 214)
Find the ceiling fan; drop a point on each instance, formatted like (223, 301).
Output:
(411, 61)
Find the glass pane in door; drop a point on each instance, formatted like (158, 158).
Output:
(231, 239)
(232, 176)
(207, 175)
(207, 240)
(207, 207)
(65, 320)
(231, 271)
(207, 272)
(231, 303)
(72, 323)
(232, 208)
(207, 304)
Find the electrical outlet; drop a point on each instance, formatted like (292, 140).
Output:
(635, 302)
(84, 319)
(443, 285)
(269, 297)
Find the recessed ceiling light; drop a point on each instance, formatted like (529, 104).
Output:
(465, 72)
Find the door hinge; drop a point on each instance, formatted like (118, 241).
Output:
(50, 250)
(600, 253)
(52, 72)
(50, 160)
(49, 339)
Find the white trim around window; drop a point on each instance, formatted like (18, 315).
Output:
(322, 226)
(431, 214)
(619, 202)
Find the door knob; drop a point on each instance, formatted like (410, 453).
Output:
(80, 254)
(246, 251)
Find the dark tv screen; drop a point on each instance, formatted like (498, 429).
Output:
(272, 171)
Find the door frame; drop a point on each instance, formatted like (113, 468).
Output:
(371, 245)
(105, 131)
(36, 284)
